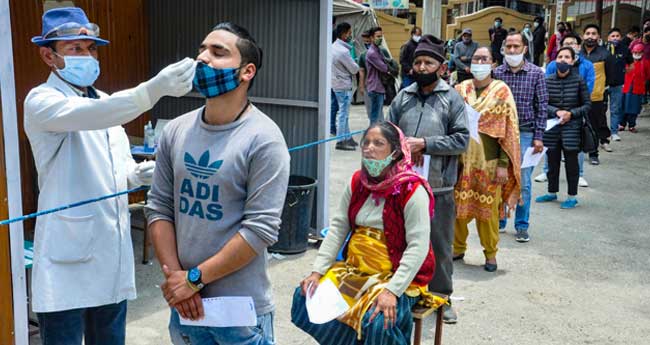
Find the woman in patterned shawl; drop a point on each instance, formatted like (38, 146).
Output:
(386, 208)
(490, 169)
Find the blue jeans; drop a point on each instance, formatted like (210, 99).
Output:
(615, 107)
(581, 163)
(523, 211)
(376, 107)
(105, 324)
(262, 334)
(334, 108)
(343, 99)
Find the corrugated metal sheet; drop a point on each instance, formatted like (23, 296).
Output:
(286, 30)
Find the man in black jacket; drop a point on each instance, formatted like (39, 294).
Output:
(406, 56)
(497, 36)
(617, 60)
(539, 41)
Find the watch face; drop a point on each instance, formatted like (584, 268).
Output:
(194, 274)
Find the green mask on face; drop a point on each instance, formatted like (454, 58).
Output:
(378, 41)
(376, 166)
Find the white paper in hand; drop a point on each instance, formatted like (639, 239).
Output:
(532, 159)
(424, 169)
(550, 123)
(226, 312)
(472, 119)
(326, 304)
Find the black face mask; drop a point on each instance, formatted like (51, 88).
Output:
(425, 79)
(561, 30)
(590, 42)
(646, 37)
(563, 67)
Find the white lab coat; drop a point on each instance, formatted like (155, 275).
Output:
(83, 257)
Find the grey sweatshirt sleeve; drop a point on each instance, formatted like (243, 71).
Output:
(457, 138)
(160, 202)
(268, 177)
(338, 231)
(417, 224)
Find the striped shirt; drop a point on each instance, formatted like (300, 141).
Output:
(528, 87)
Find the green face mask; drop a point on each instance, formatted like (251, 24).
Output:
(376, 166)
(378, 41)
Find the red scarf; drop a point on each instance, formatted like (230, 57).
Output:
(396, 188)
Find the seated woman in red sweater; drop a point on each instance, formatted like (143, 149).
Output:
(388, 260)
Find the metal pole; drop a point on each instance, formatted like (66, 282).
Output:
(615, 12)
(437, 19)
(12, 158)
(427, 16)
(324, 71)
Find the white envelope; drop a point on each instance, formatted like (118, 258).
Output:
(532, 159)
(326, 304)
(550, 123)
(472, 120)
(229, 311)
(424, 169)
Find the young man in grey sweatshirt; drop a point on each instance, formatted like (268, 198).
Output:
(217, 194)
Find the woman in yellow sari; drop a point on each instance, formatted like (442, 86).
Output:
(490, 169)
(388, 259)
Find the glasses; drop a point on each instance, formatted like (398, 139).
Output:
(73, 29)
(481, 59)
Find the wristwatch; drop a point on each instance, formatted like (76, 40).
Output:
(194, 279)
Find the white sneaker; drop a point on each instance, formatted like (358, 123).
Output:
(582, 182)
(541, 178)
(606, 147)
(615, 137)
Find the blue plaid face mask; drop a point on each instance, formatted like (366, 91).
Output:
(212, 82)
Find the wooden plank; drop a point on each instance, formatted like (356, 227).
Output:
(6, 308)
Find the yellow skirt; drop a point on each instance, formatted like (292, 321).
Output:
(364, 274)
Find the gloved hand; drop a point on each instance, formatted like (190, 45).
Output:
(142, 175)
(174, 80)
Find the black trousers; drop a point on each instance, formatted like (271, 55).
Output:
(598, 118)
(571, 166)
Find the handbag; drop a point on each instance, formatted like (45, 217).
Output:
(588, 137)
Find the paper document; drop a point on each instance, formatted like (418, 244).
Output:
(472, 118)
(532, 159)
(226, 312)
(326, 304)
(552, 123)
(424, 169)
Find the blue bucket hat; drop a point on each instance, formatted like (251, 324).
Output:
(67, 16)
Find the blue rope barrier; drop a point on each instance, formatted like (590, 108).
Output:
(143, 188)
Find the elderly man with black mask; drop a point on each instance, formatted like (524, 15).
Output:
(432, 115)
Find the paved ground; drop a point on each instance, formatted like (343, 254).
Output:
(583, 278)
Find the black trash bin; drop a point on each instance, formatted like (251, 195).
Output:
(296, 216)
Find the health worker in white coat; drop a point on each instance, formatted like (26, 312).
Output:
(83, 269)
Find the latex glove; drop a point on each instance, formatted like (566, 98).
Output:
(174, 80)
(142, 175)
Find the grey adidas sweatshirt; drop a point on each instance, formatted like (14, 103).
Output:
(215, 181)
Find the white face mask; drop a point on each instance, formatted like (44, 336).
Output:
(514, 60)
(637, 56)
(416, 38)
(535, 24)
(480, 71)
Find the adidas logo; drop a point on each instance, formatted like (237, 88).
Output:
(203, 169)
